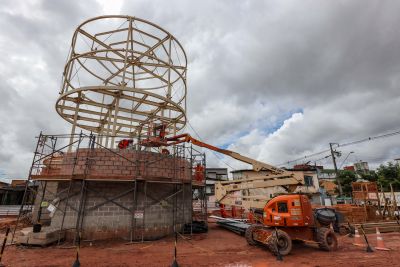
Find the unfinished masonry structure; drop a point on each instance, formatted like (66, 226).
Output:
(124, 77)
(103, 193)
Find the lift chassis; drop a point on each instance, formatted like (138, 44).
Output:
(286, 218)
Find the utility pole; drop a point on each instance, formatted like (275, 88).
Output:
(336, 170)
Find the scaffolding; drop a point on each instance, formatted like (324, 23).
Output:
(70, 175)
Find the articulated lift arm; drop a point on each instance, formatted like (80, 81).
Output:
(264, 176)
(257, 165)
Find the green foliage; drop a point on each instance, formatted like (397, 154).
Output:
(385, 175)
(346, 178)
(389, 174)
(371, 176)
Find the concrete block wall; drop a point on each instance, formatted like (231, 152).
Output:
(51, 189)
(112, 221)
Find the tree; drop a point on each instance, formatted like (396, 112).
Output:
(389, 174)
(346, 177)
(370, 176)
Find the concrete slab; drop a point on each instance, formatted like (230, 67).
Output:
(46, 236)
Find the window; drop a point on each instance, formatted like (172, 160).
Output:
(308, 180)
(208, 190)
(282, 207)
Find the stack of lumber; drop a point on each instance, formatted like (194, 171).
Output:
(372, 213)
(352, 213)
(384, 227)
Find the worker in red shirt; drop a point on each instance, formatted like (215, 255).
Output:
(124, 143)
(199, 172)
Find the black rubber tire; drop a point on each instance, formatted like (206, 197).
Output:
(325, 216)
(283, 243)
(326, 239)
(249, 234)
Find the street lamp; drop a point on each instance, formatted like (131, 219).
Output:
(351, 152)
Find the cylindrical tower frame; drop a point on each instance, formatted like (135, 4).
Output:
(123, 75)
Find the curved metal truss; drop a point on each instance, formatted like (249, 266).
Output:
(122, 75)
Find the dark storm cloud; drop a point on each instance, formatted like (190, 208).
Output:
(252, 64)
(34, 42)
(337, 61)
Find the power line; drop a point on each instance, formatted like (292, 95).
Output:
(345, 159)
(368, 139)
(327, 156)
(304, 157)
(342, 145)
(215, 154)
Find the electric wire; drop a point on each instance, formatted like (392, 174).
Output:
(215, 154)
(342, 145)
(304, 157)
(345, 160)
(369, 139)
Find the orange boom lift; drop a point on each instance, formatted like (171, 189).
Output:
(279, 220)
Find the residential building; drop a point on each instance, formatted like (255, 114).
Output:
(12, 193)
(329, 187)
(326, 174)
(213, 175)
(361, 166)
(311, 184)
(349, 168)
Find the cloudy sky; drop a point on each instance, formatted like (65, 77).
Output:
(275, 80)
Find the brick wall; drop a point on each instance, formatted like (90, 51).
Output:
(110, 220)
(100, 163)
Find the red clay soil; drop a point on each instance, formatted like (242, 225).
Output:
(217, 248)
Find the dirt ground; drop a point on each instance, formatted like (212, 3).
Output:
(217, 248)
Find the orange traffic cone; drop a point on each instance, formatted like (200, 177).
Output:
(379, 241)
(357, 238)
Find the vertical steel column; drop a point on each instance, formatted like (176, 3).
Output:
(69, 187)
(204, 187)
(175, 185)
(39, 215)
(175, 207)
(191, 189)
(135, 191)
(100, 134)
(183, 186)
(78, 217)
(82, 217)
(71, 140)
(183, 204)
(133, 211)
(53, 147)
(144, 209)
(85, 186)
(27, 187)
